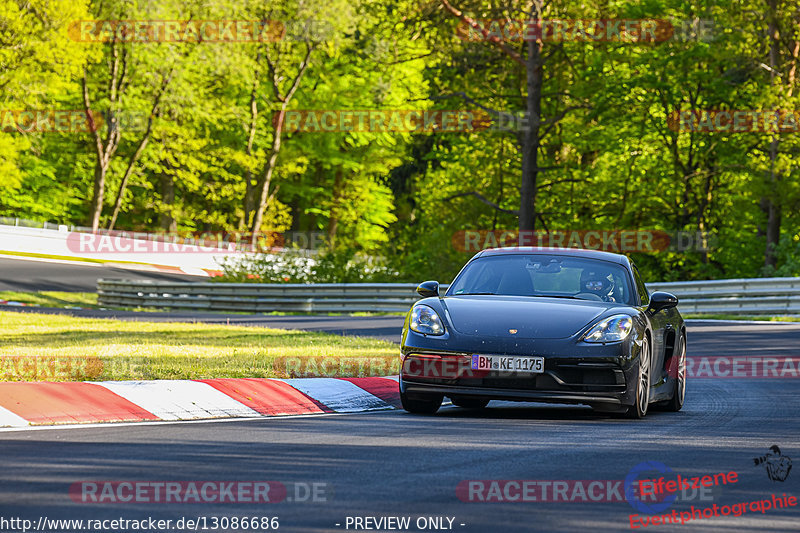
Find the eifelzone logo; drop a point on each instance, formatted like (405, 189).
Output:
(778, 466)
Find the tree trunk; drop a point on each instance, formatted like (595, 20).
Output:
(165, 219)
(140, 148)
(249, 191)
(104, 149)
(772, 202)
(774, 216)
(333, 219)
(258, 218)
(530, 143)
(277, 132)
(248, 202)
(98, 193)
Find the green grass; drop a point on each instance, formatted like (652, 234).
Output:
(52, 298)
(37, 347)
(762, 318)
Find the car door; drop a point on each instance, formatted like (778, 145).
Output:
(660, 326)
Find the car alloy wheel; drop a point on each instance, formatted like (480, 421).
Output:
(639, 409)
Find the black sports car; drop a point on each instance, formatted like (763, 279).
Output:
(545, 325)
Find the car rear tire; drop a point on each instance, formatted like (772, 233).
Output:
(679, 393)
(421, 405)
(642, 393)
(470, 403)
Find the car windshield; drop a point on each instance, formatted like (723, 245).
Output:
(546, 276)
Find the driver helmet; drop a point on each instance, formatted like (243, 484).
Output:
(599, 281)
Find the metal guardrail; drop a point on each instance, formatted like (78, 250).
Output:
(260, 297)
(776, 296)
(756, 296)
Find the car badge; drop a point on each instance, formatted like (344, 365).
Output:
(512, 331)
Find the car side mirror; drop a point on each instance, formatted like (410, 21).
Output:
(660, 300)
(426, 289)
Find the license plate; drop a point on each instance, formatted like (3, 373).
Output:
(505, 363)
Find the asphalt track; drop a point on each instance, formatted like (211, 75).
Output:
(24, 274)
(394, 464)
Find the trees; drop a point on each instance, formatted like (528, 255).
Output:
(191, 134)
(279, 67)
(37, 61)
(778, 52)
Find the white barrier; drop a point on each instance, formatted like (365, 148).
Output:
(65, 243)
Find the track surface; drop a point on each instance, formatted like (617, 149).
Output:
(392, 463)
(23, 274)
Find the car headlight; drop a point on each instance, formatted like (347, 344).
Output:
(425, 320)
(612, 329)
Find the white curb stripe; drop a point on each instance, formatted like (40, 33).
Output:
(9, 419)
(337, 394)
(172, 399)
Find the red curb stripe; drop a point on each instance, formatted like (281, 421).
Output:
(386, 389)
(69, 403)
(266, 396)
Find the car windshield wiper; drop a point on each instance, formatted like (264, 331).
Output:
(557, 296)
(472, 293)
(528, 295)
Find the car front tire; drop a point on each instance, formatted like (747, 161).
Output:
(470, 403)
(421, 405)
(642, 391)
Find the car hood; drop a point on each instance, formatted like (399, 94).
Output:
(532, 317)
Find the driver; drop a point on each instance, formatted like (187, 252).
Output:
(599, 281)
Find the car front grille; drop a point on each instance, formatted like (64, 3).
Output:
(560, 374)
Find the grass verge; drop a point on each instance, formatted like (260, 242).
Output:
(88, 300)
(52, 298)
(37, 347)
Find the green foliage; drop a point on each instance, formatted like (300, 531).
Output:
(293, 266)
(609, 158)
(788, 252)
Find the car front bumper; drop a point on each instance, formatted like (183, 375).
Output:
(578, 373)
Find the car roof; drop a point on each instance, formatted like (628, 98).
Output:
(574, 252)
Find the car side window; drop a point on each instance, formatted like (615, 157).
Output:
(640, 286)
